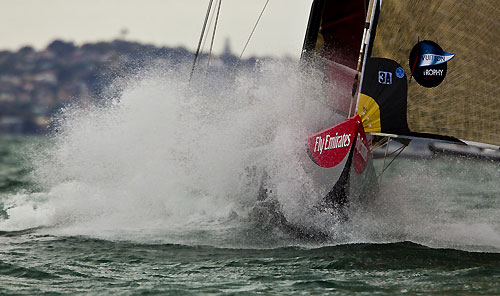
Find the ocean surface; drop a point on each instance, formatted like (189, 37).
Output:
(445, 244)
(156, 192)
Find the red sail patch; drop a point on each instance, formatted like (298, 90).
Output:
(361, 150)
(329, 147)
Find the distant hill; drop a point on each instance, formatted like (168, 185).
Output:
(35, 84)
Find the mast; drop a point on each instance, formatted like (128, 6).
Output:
(364, 52)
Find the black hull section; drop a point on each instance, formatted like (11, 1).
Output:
(350, 187)
(338, 197)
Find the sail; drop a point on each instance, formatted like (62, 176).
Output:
(334, 38)
(387, 112)
(449, 52)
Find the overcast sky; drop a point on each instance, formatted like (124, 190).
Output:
(161, 22)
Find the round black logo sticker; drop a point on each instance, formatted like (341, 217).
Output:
(428, 63)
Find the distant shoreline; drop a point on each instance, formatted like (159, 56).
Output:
(35, 84)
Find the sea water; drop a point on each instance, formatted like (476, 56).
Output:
(152, 190)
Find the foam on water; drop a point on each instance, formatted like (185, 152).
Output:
(163, 163)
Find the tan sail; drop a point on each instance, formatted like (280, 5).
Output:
(466, 103)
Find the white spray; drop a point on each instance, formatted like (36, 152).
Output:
(165, 156)
(163, 163)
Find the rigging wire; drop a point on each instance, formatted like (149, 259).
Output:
(208, 30)
(387, 141)
(385, 156)
(380, 143)
(398, 151)
(211, 44)
(201, 39)
(250, 37)
(212, 16)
